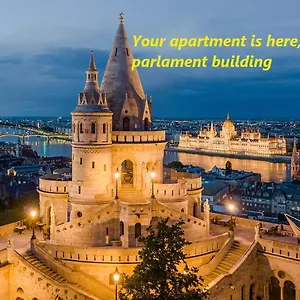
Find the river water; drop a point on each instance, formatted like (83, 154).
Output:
(270, 171)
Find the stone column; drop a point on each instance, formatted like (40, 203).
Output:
(116, 238)
(297, 294)
(281, 290)
(52, 224)
(10, 250)
(206, 216)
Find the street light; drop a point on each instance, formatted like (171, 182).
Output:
(231, 209)
(117, 176)
(116, 276)
(152, 174)
(33, 214)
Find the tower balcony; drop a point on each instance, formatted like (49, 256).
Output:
(153, 136)
(55, 183)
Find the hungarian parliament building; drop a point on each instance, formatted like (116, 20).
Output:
(250, 142)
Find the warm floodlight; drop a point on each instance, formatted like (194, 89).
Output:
(33, 213)
(231, 207)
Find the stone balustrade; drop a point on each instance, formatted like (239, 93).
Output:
(9, 228)
(193, 181)
(3, 257)
(285, 250)
(168, 191)
(54, 183)
(123, 255)
(154, 136)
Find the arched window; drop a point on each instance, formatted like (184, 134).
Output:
(274, 289)
(80, 127)
(252, 291)
(93, 128)
(126, 124)
(104, 128)
(74, 128)
(146, 124)
(289, 290)
(137, 230)
(121, 228)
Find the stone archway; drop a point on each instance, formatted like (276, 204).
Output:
(127, 172)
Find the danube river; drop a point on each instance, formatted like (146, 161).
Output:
(270, 171)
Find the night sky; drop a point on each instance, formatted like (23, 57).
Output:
(45, 45)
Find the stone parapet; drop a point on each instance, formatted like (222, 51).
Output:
(138, 136)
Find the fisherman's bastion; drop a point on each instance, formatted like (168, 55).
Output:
(118, 186)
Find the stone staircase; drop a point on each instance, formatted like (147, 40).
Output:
(41, 267)
(236, 251)
(34, 261)
(129, 193)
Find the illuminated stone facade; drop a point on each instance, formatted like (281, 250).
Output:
(250, 142)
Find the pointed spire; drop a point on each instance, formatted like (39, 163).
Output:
(92, 64)
(295, 155)
(212, 126)
(228, 116)
(121, 18)
(119, 79)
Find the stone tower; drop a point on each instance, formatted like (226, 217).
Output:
(294, 161)
(91, 146)
(125, 95)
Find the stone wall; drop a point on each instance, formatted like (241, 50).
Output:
(8, 228)
(4, 280)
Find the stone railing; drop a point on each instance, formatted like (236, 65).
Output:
(212, 244)
(3, 257)
(51, 284)
(92, 254)
(9, 228)
(247, 223)
(276, 248)
(166, 191)
(52, 185)
(165, 211)
(76, 277)
(193, 181)
(224, 249)
(246, 259)
(119, 255)
(138, 136)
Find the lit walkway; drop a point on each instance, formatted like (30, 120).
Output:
(21, 242)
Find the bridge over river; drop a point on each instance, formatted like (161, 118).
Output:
(31, 131)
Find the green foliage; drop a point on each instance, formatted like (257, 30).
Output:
(175, 164)
(228, 167)
(157, 276)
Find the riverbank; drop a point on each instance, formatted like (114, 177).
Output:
(273, 159)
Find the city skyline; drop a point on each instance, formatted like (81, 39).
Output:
(49, 63)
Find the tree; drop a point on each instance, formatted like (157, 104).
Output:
(228, 168)
(157, 276)
(175, 164)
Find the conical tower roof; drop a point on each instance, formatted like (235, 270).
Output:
(91, 100)
(92, 64)
(120, 83)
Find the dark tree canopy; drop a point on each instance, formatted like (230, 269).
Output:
(175, 164)
(163, 273)
(228, 167)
